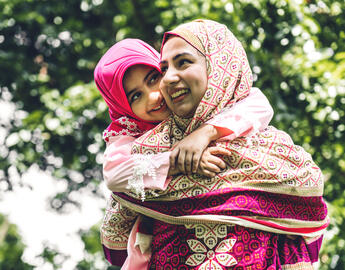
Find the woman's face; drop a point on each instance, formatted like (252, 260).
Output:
(184, 79)
(141, 85)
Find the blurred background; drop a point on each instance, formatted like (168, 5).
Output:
(52, 116)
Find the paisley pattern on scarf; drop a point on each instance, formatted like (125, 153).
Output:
(116, 226)
(267, 161)
(240, 202)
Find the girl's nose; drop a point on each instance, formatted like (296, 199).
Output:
(155, 97)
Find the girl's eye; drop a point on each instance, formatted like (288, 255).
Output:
(154, 78)
(134, 97)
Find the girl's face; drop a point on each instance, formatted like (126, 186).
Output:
(184, 79)
(141, 85)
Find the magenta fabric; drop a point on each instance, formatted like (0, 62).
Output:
(115, 257)
(314, 249)
(108, 76)
(242, 203)
(253, 249)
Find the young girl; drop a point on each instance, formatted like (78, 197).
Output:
(271, 188)
(128, 77)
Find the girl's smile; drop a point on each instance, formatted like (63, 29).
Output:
(141, 85)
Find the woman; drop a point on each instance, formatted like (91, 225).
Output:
(128, 76)
(242, 218)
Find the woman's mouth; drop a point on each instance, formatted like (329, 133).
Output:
(178, 95)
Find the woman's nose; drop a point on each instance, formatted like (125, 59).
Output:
(170, 77)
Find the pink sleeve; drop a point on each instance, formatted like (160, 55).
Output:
(123, 171)
(247, 116)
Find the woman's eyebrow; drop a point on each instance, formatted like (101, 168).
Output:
(176, 56)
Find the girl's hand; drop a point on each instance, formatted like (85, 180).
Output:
(186, 154)
(210, 164)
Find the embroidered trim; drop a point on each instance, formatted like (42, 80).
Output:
(129, 128)
(111, 133)
(143, 165)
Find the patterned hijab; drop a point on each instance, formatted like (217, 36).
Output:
(269, 182)
(229, 79)
(108, 76)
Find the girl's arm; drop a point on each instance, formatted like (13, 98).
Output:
(247, 116)
(124, 172)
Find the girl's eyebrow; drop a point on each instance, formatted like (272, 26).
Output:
(148, 74)
(176, 56)
(130, 92)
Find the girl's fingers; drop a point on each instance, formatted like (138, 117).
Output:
(217, 161)
(217, 150)
(181, 162)
(208, 166)
(188, 162)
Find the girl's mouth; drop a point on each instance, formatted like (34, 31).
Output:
(160, 106)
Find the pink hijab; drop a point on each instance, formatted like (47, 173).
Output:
(108, 77)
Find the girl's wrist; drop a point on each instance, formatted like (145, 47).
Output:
(210, 132)
(214, 133)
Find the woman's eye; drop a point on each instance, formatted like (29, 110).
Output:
(183, 61)
(163, 69)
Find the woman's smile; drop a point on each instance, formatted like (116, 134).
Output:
(179, 94)
(184, 79)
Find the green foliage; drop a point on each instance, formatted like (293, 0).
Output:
(11, 247)
(93, 258)
(48, 50)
